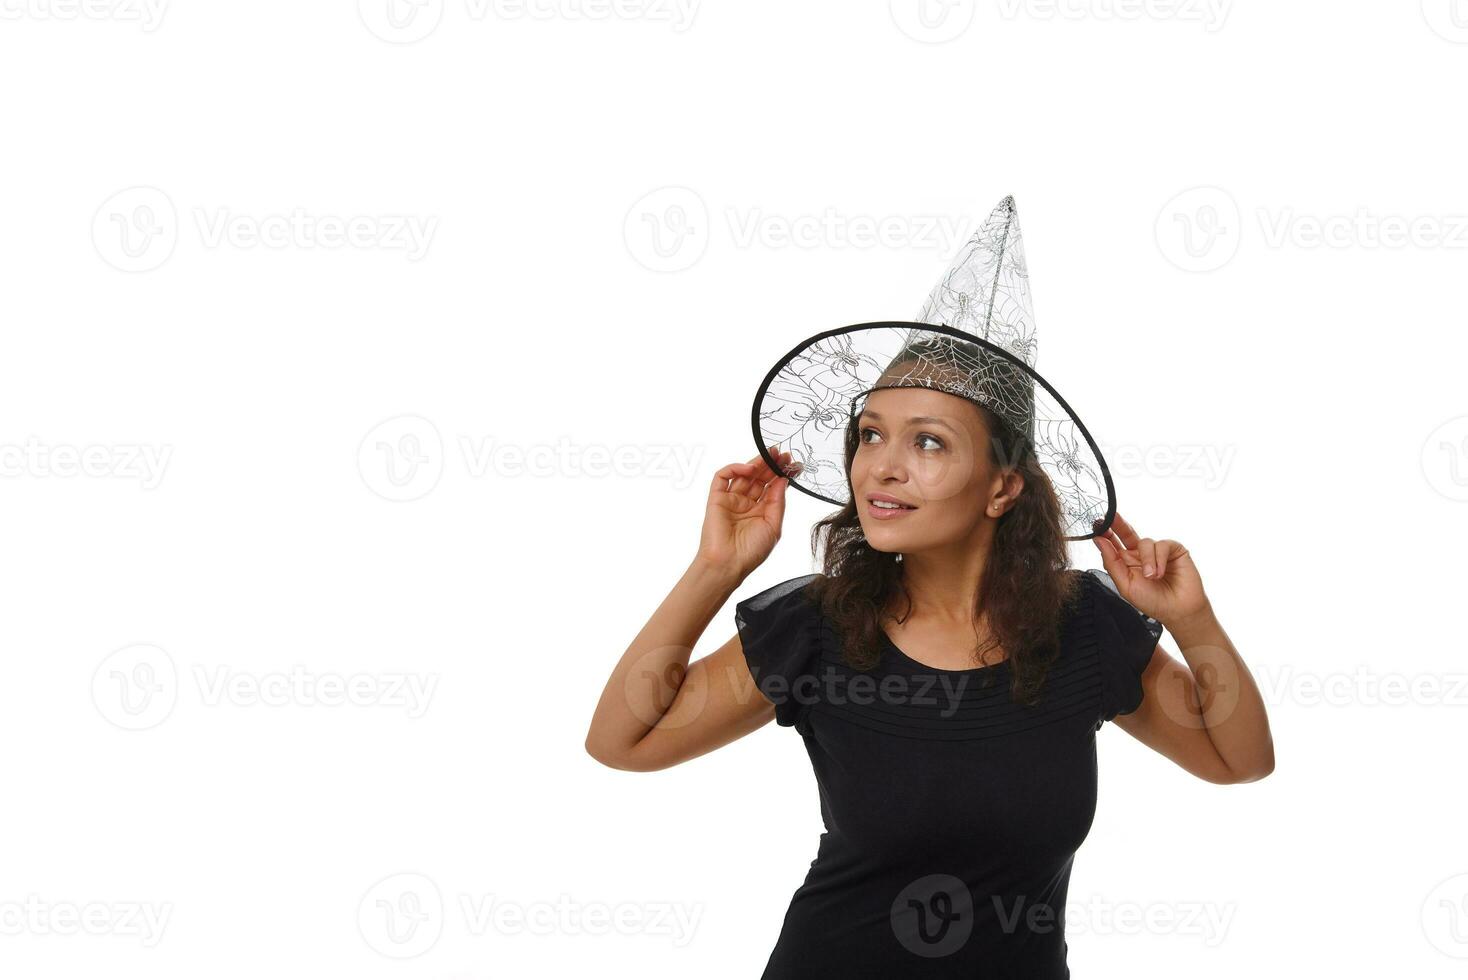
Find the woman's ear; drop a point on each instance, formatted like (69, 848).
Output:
(1011, 486)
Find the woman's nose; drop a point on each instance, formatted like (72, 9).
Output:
(889, 463)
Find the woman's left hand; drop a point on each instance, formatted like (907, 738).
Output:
(1158, 577)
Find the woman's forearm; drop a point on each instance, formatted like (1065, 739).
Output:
(645, 680)
(1233, 711)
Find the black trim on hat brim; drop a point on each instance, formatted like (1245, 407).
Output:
(952, 332)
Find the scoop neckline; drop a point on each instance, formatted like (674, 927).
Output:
(892, 645)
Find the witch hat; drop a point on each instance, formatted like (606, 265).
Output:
(974, 338)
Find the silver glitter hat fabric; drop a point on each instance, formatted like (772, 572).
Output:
(973, 338)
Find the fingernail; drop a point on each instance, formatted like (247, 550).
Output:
(1147, 570)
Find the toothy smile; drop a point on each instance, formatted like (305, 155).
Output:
(886, 505)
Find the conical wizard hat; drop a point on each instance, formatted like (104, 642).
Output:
(974, 338)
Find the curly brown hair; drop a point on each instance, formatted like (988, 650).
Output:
(1027, 579)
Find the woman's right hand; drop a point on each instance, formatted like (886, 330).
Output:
(745, 509)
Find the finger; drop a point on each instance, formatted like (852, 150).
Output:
(1111, 558)
(786, 465)
(721, 479)
(1127, 532)
(758, 477)
(725, 476)
(1147, 551)
(735, 471)
(761, 492)
(1164, 550)
(774, 501)
(756, 473)
(1126, 557)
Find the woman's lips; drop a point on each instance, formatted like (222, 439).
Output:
(887, 513)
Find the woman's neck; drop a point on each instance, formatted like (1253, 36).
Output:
(946, 584)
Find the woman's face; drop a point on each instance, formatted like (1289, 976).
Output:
(930, 451)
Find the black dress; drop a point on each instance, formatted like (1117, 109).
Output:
(952, 814)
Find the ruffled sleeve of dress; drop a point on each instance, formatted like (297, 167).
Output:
(1126, 638)
(780, 631)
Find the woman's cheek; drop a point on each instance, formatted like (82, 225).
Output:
(944, 480)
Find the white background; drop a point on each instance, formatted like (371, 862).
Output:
(1209, 198)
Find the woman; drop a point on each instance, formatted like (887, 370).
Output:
(947, 670)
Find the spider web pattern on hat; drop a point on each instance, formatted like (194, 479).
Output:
(987, 292)
(981, 346)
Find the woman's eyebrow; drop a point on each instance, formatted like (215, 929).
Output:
(876, 417)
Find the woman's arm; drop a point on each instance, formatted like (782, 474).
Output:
(1207, 716)
(657, 710)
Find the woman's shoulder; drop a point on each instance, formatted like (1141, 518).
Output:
(1110, 616)
(789, 592)
(1087, 581)
(780, 632)
(1096, 598)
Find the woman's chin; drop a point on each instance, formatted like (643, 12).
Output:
(886, 544)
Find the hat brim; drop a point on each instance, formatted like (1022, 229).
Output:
(807, 401)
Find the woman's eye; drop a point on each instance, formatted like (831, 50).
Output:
(938, 443)
(863, 433)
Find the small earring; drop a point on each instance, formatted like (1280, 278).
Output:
(899, 558)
